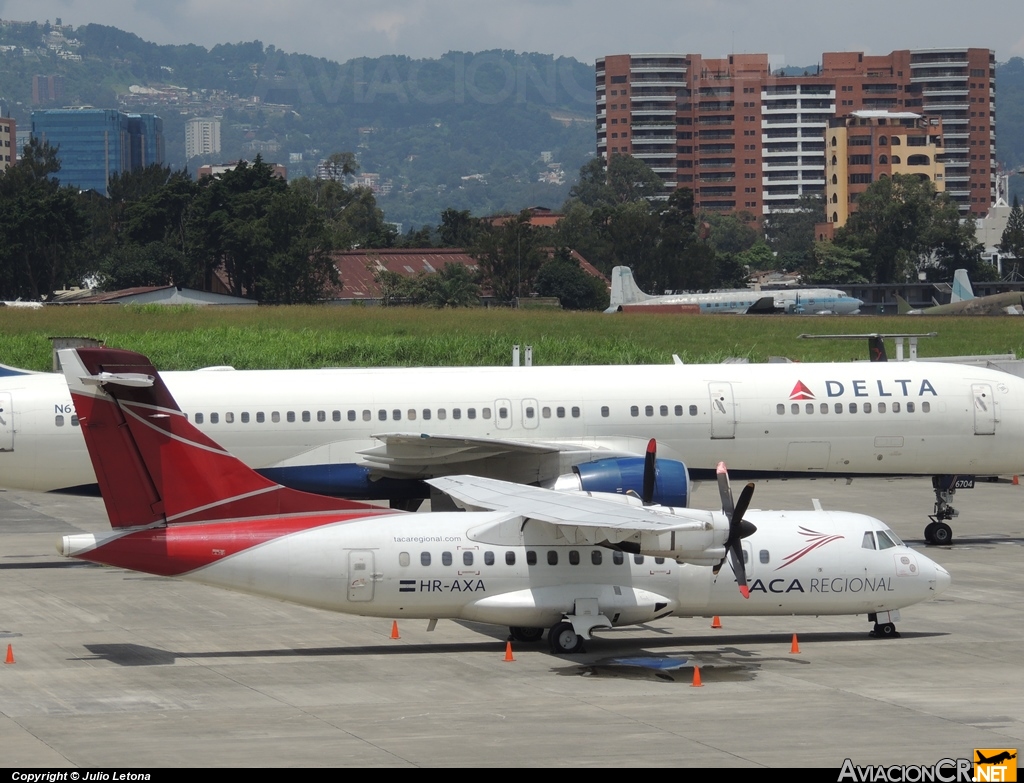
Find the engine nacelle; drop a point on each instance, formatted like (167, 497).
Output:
(619, 475)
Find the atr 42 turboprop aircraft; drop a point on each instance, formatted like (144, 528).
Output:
(962, 301)
(820, 301)
(535, 558)
(379, 433)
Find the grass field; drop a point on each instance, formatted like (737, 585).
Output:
(269, 337)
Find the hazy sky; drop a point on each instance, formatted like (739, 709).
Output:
(792, 32)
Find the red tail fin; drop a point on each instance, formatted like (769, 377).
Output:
(152, 464)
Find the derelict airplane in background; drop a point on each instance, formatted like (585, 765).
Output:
(963, 301)
(534, 558)
(810, 301)
(380, 433)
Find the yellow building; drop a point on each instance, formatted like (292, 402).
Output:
(865, 146)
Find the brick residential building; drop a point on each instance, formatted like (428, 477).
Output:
(745, 138)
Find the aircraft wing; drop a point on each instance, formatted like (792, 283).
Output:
(418, 454)
(582, 518)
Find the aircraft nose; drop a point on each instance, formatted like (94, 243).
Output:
(942, 578)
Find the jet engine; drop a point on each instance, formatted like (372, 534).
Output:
(619, 475)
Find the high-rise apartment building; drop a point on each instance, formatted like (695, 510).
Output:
(202, 137)
(97, 144)
(745, 138)
(8, 143)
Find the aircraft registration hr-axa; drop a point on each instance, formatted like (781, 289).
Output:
(380, 433)
(572, 562)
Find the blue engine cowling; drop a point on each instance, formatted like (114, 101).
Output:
(621, 474)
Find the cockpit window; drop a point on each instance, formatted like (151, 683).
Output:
(884, 542)
(869, 540)
(894, 538)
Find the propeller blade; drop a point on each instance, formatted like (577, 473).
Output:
(739, 528)
(725, 490)
(741, 507)
(650, 467)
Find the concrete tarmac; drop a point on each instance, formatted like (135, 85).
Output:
(120, 669)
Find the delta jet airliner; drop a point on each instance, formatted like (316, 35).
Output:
(532, 559)
(380, 433)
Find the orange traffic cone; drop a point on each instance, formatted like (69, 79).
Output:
(794, 648)
(1016, 480)
(394, 630)
(716, 622)
(10, 655)
(696, 678)
(508, 652)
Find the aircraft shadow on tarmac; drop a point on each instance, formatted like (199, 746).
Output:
(702, 648)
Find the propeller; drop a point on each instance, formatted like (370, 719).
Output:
(739, 528)
(650, 467)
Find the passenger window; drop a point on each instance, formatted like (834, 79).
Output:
(618, 558)
(795, 408)
(510, 558)
(560, 412)
(229, 418)
(411, 414)
(442, 414)
(366, 415)
(529, 412)
(467, 558)
(199, 418)
(446, 558)
(424, 558)
(426, 414)
(574, 557)
(305, 416)
(382, 415)
(575, 412)
(471, 413)
(321, 416)
(275, 417)
(679, 410)
(396, 414)
(335, 415)
(869, 540)
(881, 407)
(867, 407)
(214, 418)
(74, 419)
(824, 407)
(260, 417)
(545, 412)
(853, 407)
(531, 557)
(553, 557)
(659, 560)
(485, 413)
(457, 413)
(489, 558)
(648, 410)
(290, 417)
(839, 407)
(605, 412)
(403, 559)
(764, 557)
(693, 410)
(634, 410)
(926, 407)
(244, 416)
(638, 559)
(58, 420)
(663, 410)
(809, 407)
(595, 556)
(502, 413)
(780, 409)
(896, 407)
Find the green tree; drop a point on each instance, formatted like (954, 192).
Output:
(42, 225)
(833, 264)
(1012, 241)
(564, 278)
(509, 256)
(790, 233)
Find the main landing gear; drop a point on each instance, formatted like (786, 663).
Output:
(562, 637)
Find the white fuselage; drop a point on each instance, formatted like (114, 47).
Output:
(904, 418)
(491, 568)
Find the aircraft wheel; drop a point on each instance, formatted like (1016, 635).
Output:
(942, 534)
(564, 640)
(886, 630)
(929, 532)
(527, 635)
